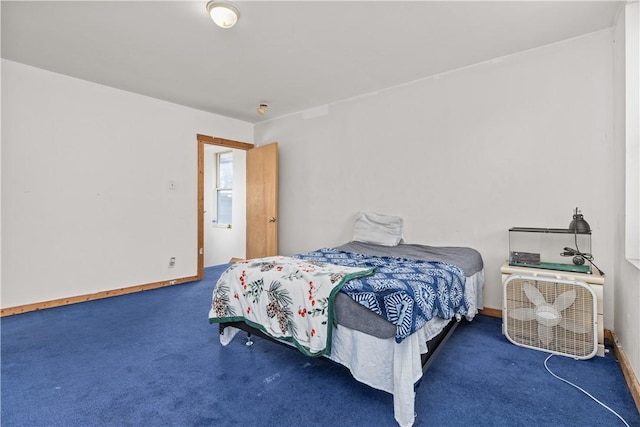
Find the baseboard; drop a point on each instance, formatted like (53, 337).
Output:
(89, 297)
(629, 376)
(493, 312)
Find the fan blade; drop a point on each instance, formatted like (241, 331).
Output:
(545, 334)
(573, 326)
(533, 294)
(564, 300)
(523, 313)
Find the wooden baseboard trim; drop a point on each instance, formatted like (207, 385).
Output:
(493, 312)
(89, 297)
(625, 366)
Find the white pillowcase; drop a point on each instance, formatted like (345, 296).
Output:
(378, 229)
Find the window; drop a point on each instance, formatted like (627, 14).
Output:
(224, 188)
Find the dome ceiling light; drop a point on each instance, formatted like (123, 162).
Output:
(262, 108)
(225, 14)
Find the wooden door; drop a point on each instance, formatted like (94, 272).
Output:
(262, 201)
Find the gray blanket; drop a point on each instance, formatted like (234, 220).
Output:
(469, 260)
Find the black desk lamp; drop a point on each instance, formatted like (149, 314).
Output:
(578, 224)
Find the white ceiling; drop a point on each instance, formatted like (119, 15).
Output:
(295, 55)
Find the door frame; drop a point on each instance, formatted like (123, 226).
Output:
(221, 142)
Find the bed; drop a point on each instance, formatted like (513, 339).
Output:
(352, 306)
(366, 343)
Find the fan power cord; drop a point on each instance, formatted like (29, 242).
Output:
(584, 391)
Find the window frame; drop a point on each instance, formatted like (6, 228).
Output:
(220, 186)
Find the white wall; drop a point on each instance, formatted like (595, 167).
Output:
(1, 176)
(221, 244)
(520, 141)
(85, 200)
(627, 296)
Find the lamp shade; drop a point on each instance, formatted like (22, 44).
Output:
(578, 224)
(223, 13)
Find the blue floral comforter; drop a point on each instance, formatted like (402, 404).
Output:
(406, 292)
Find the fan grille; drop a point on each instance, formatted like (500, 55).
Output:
(547, 324)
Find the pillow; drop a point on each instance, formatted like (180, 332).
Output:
(377, 228)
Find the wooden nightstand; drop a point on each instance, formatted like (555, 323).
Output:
(595, 281)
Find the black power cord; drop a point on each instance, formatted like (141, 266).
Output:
(578, 256)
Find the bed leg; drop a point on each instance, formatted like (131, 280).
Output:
(249, 342)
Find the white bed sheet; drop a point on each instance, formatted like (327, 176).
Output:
(395, 367)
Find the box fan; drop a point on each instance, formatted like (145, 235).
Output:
(553, 315)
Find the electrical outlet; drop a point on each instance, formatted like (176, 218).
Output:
(172, 262)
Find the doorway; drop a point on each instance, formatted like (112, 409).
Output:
(261, 189)
(224, 224)
(207, 146)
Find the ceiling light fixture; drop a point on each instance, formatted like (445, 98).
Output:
(262, 108)
(225, 14)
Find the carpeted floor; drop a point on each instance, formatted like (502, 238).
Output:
(152, 359)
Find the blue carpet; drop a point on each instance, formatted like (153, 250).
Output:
(152, 359)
